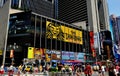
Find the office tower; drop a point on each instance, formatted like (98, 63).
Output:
(94, 12)
(115, 26)
(42, 7)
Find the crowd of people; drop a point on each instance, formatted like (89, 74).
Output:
(76, 69)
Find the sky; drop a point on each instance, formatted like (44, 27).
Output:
(114, 7)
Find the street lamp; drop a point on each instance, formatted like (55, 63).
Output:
(13, 48)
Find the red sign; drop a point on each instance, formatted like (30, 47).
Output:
(92, 43)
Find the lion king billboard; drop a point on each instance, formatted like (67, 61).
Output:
(64, 33)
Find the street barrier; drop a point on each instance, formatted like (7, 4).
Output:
(43, 74)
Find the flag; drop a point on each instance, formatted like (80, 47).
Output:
(116, 51)
(115, 48)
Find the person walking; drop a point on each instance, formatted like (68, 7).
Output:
(111, 71)
(103, 70)
(88, 70)
(2, 70)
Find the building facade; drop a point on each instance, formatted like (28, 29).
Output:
(94, 12)
(43, 7)
(46, 37)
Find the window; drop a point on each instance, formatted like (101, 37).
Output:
(14, 3)
(49, 0)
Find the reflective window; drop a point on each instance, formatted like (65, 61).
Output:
(14, 3)
(19, 23)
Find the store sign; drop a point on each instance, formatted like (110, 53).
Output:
(63, 33)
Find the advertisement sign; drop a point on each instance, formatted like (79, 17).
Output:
(63, 33)
(92, 43)
(68, 55)
(39, 52)
(71, 55)
(52, 55)
(80, 56)
(65, 55)
(30, 52)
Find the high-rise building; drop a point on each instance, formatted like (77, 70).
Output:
(43, 7)
(94, 12)
(115, 27)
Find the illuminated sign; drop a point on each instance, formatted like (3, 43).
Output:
(63, 33)
(30, 52)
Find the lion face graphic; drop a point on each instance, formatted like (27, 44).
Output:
(54, 31)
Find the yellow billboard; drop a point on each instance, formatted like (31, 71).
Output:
(64, 33)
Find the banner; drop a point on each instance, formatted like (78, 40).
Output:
(92, 43)
(64, 33)
(30, 52)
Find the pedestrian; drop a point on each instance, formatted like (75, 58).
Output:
(117, 69)
(35, 69)
(40, 68)
(103, 70)
(2, 70)
(100, 70)
(11, 70)
(78, 71)
(88, 70)
(37, 62)
(111, 71)
(63, 69)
